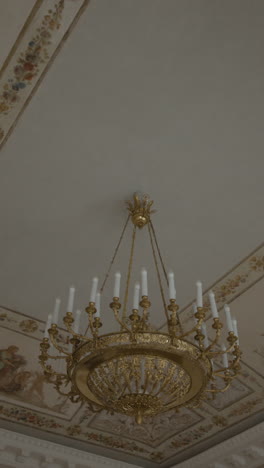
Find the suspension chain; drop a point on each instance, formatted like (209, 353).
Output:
(158, 249)
(158, 272)
(115, 254)
(165, 273)
(124, 313)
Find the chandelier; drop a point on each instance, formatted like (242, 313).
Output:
(140, 371)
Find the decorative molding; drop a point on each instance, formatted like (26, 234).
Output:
(21, 450)
(234, 283)
(45, 31)
(245, 449)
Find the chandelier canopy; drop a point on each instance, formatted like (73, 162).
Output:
(140, 371)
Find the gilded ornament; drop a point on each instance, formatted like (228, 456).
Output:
(138, 371)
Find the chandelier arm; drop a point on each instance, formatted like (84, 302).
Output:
(219, 353)
(121, 322)
(124, 312)
(158, 274)
(159, 253)
(86, 331)
(52, 333)
(223, 376)
(200, 316)
(91, 325)
(62, 376)
(55, 357)
(235, 361)
(214, 343)
(48, 369)
(194, 329)
(115, 254)
(219, 372)
(231, 367)
(219, 390)
(77, 335)
(231, 338)
(58, 385)
(61, 393)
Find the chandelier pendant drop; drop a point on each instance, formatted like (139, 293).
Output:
(139, 371)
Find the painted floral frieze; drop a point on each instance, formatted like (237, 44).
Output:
(28, 63)
(234, 283)
(44, 33)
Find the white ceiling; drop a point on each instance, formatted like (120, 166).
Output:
(166, 97)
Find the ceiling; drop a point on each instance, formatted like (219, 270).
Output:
(163, 97)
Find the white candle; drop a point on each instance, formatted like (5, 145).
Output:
(76, 323)
(229, 323)
(194, 312)
(94, 289)
(172, 290)
(234, 322)
(48, 325)
(204, 332)
(71, 299)
(136, 296)
(199, 294)
(97, 304)
(55, 317)
(225, 360)
(213, 305)
(144, 282)
(117, 284)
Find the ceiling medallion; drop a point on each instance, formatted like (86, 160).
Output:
(140, 371)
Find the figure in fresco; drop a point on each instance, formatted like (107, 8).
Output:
(26, 385)
(35, 394)
(35, 389)
(11, 379)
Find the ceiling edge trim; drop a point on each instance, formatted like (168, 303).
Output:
(29, 448)
(233, 283)
(245, 445)
(21, 34)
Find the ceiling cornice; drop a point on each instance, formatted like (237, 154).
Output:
(244, 449)
(17, 449)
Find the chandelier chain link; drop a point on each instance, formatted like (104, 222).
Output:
(115, 254)
(124, 313)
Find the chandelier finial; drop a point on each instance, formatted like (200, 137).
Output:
(140, 209)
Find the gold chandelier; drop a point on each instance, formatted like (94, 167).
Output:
(140, 371)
